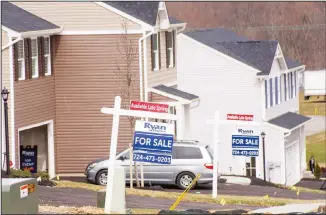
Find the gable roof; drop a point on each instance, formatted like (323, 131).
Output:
(257, 54)
(142, 10)
(291, 63)
(289, 120)
(19, 20)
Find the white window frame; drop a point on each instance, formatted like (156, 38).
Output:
(286, 83)
(171, 49)
(22, 77)
(156, 54)
(35, 57)
(48, 56)
(293, 85)
(279, 89)
(268, 93)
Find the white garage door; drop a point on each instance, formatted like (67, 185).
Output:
(292, 163)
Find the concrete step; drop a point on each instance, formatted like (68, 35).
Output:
(308, 174)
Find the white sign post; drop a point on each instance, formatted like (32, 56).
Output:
(215, 159)
(117, 112)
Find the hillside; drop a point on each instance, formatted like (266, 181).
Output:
(300, 27)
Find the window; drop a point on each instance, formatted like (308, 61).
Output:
(280, 89)
(170, 47)
(251, 166)
(34, 58)
(21, 60)
(292, 84)
(179, 152)
(267, 94)
(272, 92)
(295, 83)
(155, 38)
(285, 88)
(47, 56)
(277, 91)
(126, 155)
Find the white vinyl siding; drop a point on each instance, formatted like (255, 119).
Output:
(272, 92)
(267, 94)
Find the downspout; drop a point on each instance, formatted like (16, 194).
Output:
(145, 64)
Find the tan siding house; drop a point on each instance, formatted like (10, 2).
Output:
(85, 73)
(77, 15)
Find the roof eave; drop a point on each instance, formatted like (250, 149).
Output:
(28, 34)
(179, 99)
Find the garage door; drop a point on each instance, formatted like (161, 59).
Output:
(292, 163)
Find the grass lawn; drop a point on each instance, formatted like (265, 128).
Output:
(190, 197)
(308, 107)
(316, 145)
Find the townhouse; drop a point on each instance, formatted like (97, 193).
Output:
(235, 75)
(63, 61)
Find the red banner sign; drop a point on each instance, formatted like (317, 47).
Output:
(150, 107)
(241, 117)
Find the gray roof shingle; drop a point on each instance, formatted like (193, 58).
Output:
(289, 120)
(142, 10)
(258, 54)
(291, 63)
(174, 20)
(176, 92)
(20, 20)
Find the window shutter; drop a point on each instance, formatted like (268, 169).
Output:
(266, 98)
(40, 55)
(271, 91)
(52, 52)
(166, 49)
(276, 90)
(15, 61)
(159, 50)
(152, 53)
(285, 91)
(174, 39)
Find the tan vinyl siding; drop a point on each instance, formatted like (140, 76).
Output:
(76, 15)
(85, 71)
(5, 72)
(164, 75)
(34, 103)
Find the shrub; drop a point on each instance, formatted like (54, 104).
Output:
(18, 173)
(322, 208)
(43, 175)
(323, 169)
(317, 172)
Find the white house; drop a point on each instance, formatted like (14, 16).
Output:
(315, 83)
(234, 75)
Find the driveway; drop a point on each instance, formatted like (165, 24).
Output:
(315, 125)
(77, 197)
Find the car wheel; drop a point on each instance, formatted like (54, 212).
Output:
(101, 177)
(185, 179)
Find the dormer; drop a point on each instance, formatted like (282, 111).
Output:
(162, 20)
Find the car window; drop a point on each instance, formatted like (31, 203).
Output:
(210, 151)
(126, 155)
(186, 153)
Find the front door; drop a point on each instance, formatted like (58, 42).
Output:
(251, 167)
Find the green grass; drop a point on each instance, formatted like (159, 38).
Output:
(316, 145)
(190, 197)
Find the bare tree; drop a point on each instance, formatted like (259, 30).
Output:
(126, 76)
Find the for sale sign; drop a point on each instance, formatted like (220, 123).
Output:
(148, 106)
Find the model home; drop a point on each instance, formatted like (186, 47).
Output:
(63, 61)
(255, 89)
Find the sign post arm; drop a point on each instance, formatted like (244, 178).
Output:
(215, 159)
(113, 152)
(130, 166)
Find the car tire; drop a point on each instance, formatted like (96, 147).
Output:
(184, 179)
(100, 177)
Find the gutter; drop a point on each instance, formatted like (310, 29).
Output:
(29, 34)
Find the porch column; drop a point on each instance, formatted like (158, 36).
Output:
(302, 144)
(186, 121)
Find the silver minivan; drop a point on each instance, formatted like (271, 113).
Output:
(188, 159)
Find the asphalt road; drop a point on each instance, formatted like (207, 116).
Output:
(77, 197)
(240, 190)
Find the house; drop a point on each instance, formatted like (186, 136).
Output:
(235, 75)
(57, 92)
